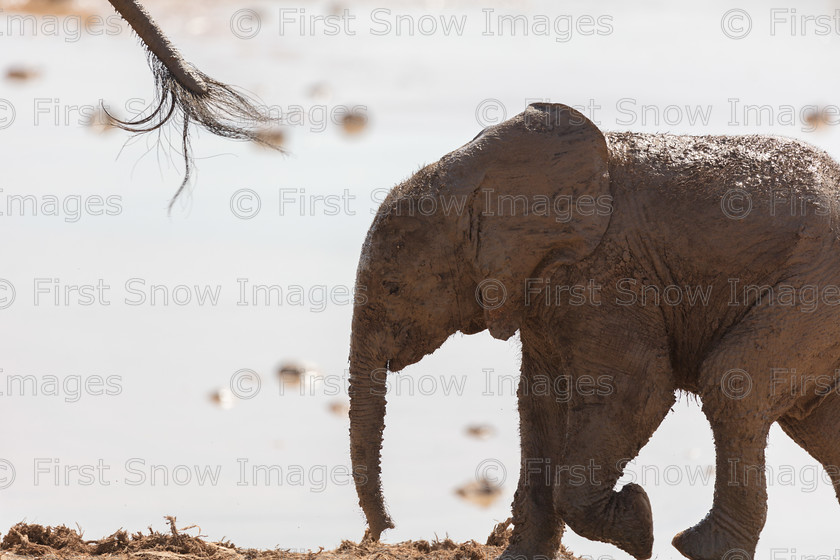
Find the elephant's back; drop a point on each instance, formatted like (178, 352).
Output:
(711, 165)
(719, 214)
(734, 183)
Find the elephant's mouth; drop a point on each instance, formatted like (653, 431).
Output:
(404, 357)
(394, 365)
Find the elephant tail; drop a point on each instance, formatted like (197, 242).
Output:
(187, 95)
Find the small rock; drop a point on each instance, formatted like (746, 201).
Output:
(354, 122)
(817, 118)
(293, 373)
(21, 74)
(481, 431)
(223, 398)
(483, 492)
(339, 408)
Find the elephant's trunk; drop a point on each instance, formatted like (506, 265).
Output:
(367, 422)
(154, 39)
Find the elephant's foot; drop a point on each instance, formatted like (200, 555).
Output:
(633, 528)
(708, 540)
(534, 540)
(623, 518)
(375, 530)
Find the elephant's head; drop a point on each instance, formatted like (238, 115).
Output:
(475, 221)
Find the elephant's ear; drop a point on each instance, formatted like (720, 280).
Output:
(540, 193)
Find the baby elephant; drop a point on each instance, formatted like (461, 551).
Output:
(633, 266)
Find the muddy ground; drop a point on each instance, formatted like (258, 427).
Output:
(29, 540)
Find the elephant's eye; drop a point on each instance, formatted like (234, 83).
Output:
(392, 287)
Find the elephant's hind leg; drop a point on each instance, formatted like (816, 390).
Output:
(748, 382)
(818, 433)
(606, 431)
(742, 387)
(732, 527)
(739, 404)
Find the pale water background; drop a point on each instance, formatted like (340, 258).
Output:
(422, 94)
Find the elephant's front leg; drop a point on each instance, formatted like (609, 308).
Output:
(538, 528)
(629, 391)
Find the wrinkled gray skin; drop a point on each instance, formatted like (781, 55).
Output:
(419, 276)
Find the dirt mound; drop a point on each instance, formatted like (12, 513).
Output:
(35, 540)
(30, 540)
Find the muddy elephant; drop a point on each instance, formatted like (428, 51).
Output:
(187, 94)
(743, 219)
